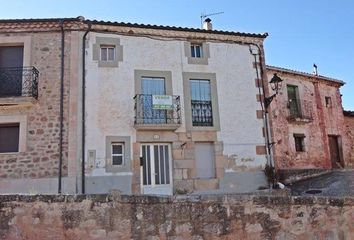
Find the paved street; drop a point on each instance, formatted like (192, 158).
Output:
(337, 183)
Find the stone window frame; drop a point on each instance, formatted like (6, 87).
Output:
(19, 41)
(107, 41)
(195, 60)
(126, 141)
(22, 121)
(167, 75)
(187, 101)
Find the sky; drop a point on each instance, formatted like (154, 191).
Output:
(301, 32)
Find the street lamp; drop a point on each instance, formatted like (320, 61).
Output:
(275, 84)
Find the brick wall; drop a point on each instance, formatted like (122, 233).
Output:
(323, 121)
(349, 141)
(42, 152)
(182, 217)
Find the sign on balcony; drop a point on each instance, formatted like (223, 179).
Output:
(161, 102)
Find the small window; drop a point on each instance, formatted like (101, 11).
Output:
(196, 51)
(108, 53)
(9, 137)
(328, 101)
(299, 142)
(117, 154)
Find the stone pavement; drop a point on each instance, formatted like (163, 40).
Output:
(338, 183)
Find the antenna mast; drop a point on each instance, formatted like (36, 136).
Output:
(203, 16)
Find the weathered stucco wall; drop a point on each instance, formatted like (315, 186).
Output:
(189, 217)
(323, 121)
(110, 112)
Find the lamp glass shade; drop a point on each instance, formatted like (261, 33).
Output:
(275, 82)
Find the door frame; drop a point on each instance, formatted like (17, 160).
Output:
(340, 149)
(160, 189)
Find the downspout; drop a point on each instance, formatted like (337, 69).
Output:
(83, 108)
(61, 117)
(264, 109)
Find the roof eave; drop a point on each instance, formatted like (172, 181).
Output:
(304, 74)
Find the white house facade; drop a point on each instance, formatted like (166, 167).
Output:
(171, 110)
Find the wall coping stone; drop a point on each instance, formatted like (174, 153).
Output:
(237, 199)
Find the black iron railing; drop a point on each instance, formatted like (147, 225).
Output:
(19, 81)
(300, 109)
(202, 113)
(146, 114)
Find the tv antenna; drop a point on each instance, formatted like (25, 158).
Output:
(203, 16)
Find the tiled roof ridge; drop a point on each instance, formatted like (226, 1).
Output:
(305, 74)
(137, 25)
(348, 113)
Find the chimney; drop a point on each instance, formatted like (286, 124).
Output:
(207, 24)
(315, 72)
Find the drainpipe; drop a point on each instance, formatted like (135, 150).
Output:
(83, 108)
(266, 119)
(61, 117)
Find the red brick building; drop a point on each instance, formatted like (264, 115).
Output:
(349, 138)
(308, 125)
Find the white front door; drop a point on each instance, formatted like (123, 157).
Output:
(156, 175)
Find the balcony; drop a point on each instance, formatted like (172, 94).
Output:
(152, 116)
(18, 86)
(202, 115)
(300, 111)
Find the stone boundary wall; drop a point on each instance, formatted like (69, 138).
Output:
(178, 217)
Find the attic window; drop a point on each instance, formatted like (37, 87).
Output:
(108, 53)
(196, 50)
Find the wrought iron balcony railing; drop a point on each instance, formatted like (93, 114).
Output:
(300, 110)
(19, 82)
(147, 114)
(202, 114)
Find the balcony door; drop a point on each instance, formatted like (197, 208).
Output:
(202, 114)
(293, 101)
(152, 86)
(156, 176)
(11, 64)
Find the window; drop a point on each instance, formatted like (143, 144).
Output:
(201, 104)
(293, 101)
(9, 137)
(299, 142)
(328, 101)
(117, 154)
(11, 69)
(108, 53)
(196, 50)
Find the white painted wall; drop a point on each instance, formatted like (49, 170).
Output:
(110, 92)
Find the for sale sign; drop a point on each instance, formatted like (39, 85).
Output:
(161, 102)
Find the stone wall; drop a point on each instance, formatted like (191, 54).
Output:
(181, 217)
(41, 155)
(349, 140)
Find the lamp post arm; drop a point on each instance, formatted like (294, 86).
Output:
(268, 100)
